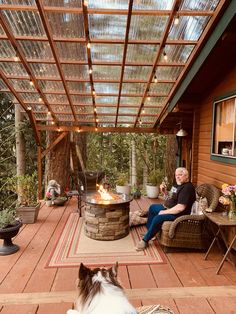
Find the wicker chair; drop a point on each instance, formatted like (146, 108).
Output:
(189, 231)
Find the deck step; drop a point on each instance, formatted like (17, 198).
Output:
(70, 296)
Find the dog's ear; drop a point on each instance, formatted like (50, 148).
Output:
(114, 269)
(83, 271)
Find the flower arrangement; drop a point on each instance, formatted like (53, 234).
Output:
(48, 196)
(229, 198)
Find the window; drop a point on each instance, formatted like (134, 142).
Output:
(224, 128)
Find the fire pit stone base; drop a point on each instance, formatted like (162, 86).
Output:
(107, 222)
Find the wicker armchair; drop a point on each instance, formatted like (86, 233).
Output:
(189, 231)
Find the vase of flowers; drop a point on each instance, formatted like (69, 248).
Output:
(229, 198)
(48, 199)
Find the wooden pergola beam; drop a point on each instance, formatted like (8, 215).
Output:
(53, 144)
(54, 52)
(124, 56)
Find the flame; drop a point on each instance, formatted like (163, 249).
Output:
(104, 194)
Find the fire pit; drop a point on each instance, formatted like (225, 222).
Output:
(107, 219)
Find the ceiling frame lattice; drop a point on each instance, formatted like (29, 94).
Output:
(96, 66)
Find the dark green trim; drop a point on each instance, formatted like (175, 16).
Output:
(216, 34)
(227, 95)
(225, 160)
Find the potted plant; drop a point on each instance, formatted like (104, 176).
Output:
(153, 181)
(9, 227)
(25, 187)
(122, 185)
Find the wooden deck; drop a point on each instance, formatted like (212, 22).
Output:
(187, 283)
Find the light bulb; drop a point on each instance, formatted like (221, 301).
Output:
(165, 56)
(155, 79)
(176, 21)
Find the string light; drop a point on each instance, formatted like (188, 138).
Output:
(94, 93)
(165, 56)
(176, 21)
(29, 108)
(96, 129)
(85, 3)
(90, 71)
(140, 121)
(155, 79)
(143, 111)
(149, 98)
(31, 83)
(96, 120)
(88, 45)
(16, 59)
(40, 99)
(95, 109)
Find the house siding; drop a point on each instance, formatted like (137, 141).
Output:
(209, 171)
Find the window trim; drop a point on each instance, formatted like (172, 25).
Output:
(214, 156)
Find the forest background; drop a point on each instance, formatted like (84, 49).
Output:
(134, 154)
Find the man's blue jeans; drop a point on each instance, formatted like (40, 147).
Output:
(155, 220)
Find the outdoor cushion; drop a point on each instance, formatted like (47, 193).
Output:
(199, 206)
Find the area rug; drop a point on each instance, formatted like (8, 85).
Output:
(74, 247)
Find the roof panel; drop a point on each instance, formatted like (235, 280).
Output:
(66, 25)
(147, 27)
(24, 23)
(46, 42)
(107, 26)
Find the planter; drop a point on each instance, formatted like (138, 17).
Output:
(123, 189)
(49, 203)
(152, 191)
(60, 201)
(28, 214)
(7, 234)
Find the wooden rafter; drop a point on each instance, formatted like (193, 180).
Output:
(54, 143)
(153, 31)
(124, 56)
(28, 111)
(54, 51)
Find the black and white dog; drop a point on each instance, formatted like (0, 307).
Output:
(101, 293)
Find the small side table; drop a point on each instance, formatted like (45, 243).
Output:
(222, 222)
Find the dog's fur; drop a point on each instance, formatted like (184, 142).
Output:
(101, 293)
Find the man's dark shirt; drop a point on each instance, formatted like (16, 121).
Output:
(181, 194)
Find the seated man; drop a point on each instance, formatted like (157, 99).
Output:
(182, 197)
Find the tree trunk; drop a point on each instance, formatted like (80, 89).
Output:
(170, 162)
(58, 161)
(20, 143)
(133, 164)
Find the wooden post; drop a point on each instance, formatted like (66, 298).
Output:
(39, 166)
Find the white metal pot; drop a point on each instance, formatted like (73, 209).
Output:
(123, 189)
(152, 191)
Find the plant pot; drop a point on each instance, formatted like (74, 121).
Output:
(28, 214)
(123, 189)
(49, 203)
(7, 234)
(152, 191)
(60, 201)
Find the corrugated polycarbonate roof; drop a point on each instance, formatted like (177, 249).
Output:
(99, 64)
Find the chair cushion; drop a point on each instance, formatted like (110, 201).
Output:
(199, 205)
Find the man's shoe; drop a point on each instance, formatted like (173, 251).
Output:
(141, 245)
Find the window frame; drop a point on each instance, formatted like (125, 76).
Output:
(215, 156)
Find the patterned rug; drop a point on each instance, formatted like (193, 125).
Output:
(74, 247)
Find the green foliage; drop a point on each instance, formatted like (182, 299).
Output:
(111, 152)
(26, 188)
(7, 218)
(122, 179)
(155, 177)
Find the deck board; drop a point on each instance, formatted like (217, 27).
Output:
(25, 272)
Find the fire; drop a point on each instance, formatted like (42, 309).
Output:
(104, 194)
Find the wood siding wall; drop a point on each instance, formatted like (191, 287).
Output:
(209, 171)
